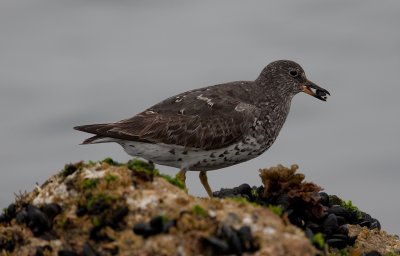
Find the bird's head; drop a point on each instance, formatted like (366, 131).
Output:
(289, 78)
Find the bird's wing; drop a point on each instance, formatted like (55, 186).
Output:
(193, 120)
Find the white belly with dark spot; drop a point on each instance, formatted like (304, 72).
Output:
(195, 159)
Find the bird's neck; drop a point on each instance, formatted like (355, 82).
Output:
(268, 95)
(274, 106)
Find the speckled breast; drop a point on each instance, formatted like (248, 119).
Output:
(192, 159)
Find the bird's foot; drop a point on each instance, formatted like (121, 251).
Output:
(204, 181)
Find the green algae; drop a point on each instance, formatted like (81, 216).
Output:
(318, 240)
(140, 165)
(341, 252)
(69, 169)
(90, 183)
(277, 209)
(199, 211)
(110, 178)
(254, 193)
(243, 200)
(110, 161)
(174, 181)
(147, 168)
(333, 199)
(96, 221)
(101, 198)
(349, 205)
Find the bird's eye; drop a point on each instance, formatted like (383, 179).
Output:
(293, 73)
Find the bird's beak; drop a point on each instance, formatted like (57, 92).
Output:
(315, 91)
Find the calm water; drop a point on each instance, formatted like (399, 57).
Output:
(66, 63)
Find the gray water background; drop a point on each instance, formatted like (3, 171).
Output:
(67, 63)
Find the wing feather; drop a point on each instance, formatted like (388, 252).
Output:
(196, 120)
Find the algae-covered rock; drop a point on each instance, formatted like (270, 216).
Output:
(326, 219)
(108, 208)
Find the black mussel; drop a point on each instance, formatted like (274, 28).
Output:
(313, 226)
(51, 210)
(343, 229)
(330, 224)
(375, 224)
(243, 189)
(247, 239)
(340, 211)
(157, 224)
(88, 250)
(308, 232)
(231, 241)
(67, 253)
(8, 214)
(340, 236)
(22, 216)
(220, 246)
(80, 211)
(96, 234)
(324, 198)
(117, 217)
(37, 221)
(142, 229)
(341, 220)
(41, 250)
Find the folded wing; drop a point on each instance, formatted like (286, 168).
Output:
(195, 121)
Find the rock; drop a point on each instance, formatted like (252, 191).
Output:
(107, 208)
(320, 215)
(374, 240)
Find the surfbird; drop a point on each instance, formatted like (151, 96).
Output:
(212, 127)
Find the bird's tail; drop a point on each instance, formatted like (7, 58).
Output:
(98, 139)
(95, 129)
(91, 128)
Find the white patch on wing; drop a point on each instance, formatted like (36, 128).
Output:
(240, 107)
(208, 100)
(179, 98)
(245, 107)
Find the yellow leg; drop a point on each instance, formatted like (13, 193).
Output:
(204, 181)
(182, 176)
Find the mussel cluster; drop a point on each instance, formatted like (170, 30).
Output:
(229, 241)
(332, 222)
(156, 225)
(38, 219)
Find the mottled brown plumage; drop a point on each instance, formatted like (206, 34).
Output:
(235, 121)
(187, 120)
